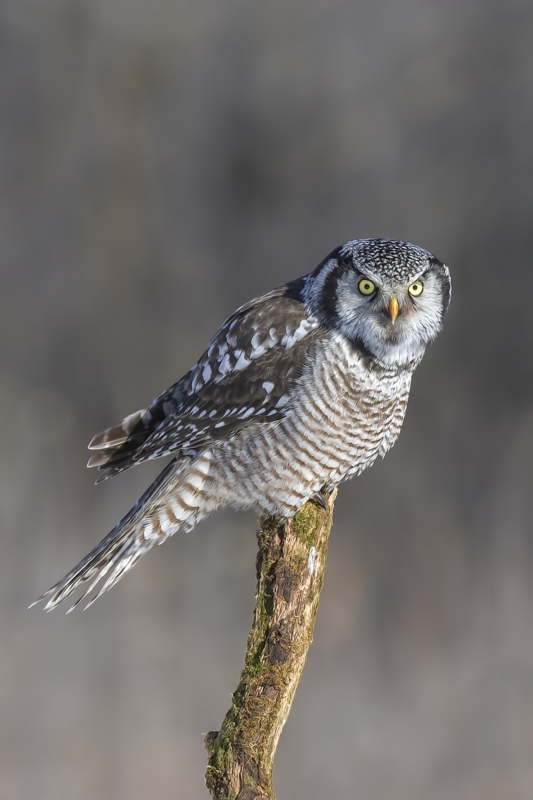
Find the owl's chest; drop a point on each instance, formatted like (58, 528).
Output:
(359, 410)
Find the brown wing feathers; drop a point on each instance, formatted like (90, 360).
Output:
(244, 376)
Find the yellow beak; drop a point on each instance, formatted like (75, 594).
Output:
(394, 307)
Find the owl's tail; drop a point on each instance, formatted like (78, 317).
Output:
(151, 521)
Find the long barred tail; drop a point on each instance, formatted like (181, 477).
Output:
(130, 539)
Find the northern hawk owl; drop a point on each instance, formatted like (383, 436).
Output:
(299, 390)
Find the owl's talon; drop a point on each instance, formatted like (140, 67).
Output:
(320, 500)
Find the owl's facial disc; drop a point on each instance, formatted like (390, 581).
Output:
(392, 322)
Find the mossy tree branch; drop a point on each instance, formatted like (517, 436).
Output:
(290, 573)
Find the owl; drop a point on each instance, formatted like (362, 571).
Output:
(299, 390)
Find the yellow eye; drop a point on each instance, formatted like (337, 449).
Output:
(416, 288)
(366, 287)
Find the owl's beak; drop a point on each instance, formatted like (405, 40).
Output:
(394, 307)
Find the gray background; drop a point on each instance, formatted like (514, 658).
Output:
(161, 162)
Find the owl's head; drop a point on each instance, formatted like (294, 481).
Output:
(388, 297)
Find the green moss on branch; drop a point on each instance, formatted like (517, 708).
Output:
(290, 573)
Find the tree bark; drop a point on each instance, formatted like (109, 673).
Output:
(290, 573)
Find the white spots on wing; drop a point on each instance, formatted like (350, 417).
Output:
(229, 353)
(220, 424)
(282, 401)
(291, 337)
(230, 335)
(268, 386)
(213, 412)
(242, 361)
(204, 412)
(225, 365)
(257, 352)
(247, 413)
(261, 343)
(190, 452)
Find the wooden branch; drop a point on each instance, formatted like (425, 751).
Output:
(290, 572)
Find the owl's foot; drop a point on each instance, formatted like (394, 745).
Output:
(320, 500)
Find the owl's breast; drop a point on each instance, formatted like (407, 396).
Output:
(339, 418)
(353, 412)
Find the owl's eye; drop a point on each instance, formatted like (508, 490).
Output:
(366, 287)
(416, 288)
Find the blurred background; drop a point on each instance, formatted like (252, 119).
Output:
(161, 162)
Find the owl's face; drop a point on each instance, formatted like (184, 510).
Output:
(390, 297)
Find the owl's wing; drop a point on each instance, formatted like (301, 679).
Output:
(244, 377)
